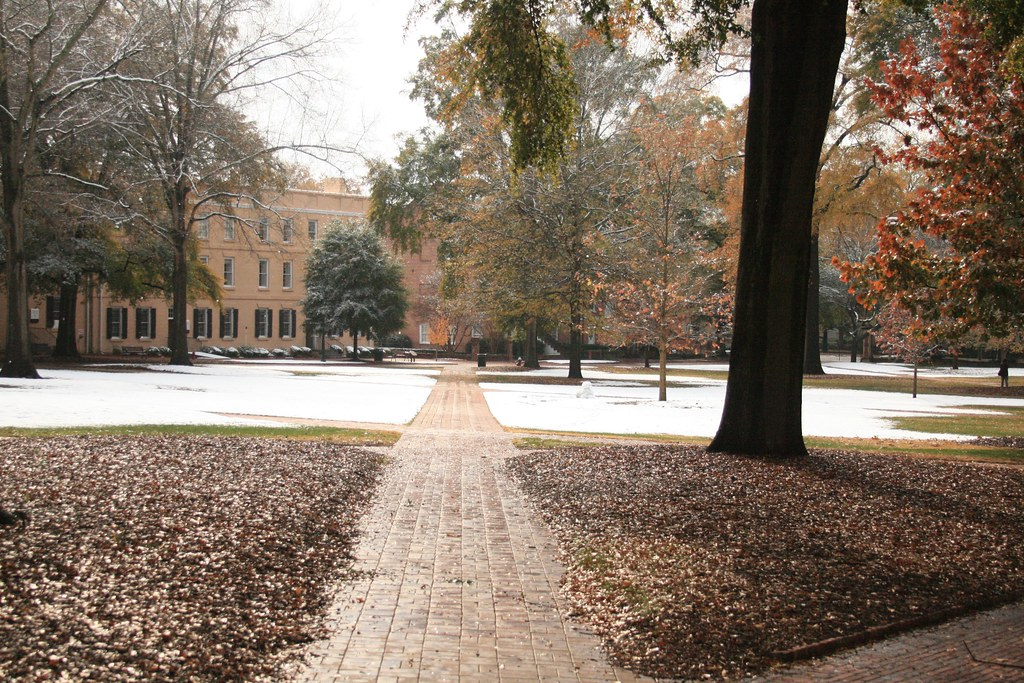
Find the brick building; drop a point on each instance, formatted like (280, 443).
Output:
(260, 256)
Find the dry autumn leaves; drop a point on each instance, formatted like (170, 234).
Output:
(694, 565)
(171, 559)
(209, 558)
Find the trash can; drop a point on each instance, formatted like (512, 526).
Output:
(481, 360)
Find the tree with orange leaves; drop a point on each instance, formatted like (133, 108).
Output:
(672, 294)
(954, 255)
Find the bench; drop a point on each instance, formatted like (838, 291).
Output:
(133, 351)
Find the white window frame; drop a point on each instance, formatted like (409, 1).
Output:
(203, 228)
(287, 274)
(287, 230)
(313, 230)
(229, 323)
(263, 278)
(286, 324)
(424, 333)
(147, 320)
(229, 271)
(118, 330)
(204, 323)
(229, 229)
(263, 229)
(264, 316)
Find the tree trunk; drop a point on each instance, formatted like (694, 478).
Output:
(663, 370)
(812, 355)
(532, 359)
(18, 354)
(67, 341)
(355, 345)
(795, 50)
(575, 346)
(177, 337)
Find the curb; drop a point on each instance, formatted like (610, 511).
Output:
(875, 633)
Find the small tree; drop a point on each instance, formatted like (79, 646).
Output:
(906, 335)
(353, 283)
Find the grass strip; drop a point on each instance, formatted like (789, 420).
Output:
(355, 437)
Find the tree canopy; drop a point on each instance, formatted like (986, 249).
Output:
(954, 255)
(354, 284)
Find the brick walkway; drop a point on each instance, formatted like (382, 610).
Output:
(982, 648)
(460, 582)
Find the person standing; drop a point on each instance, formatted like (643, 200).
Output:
(1004, 373)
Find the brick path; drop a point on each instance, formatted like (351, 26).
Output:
(460, 582)
(940, 654)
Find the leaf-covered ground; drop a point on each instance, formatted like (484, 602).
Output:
(171, 558)
(696, 565)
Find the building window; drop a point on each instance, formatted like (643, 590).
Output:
(203, 228)
(202, 327)
(117, 322)
(229, 228)
(286, 275)
(313, 229)
(205, 260)
(145, 323)
(424, 333)
(264, 323)
(52, 312)
(287, 323)
(264, 276)
(229, 272)
(229, 323)
(263, 230)
(286, 231)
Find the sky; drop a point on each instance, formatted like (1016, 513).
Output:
(373, 52)
(379, 57)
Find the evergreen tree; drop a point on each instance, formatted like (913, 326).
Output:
(353, 283)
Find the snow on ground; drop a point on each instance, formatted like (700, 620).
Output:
(216, 394)
(622, 406)
(224, 392)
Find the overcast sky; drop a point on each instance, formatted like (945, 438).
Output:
(379, 59)
(364, 100)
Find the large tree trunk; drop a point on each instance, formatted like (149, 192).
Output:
(812, 356)
(795, 50)
(178, 332)
(67, 342)
(18, 354)
(532, 356)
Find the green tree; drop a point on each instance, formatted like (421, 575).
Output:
(354, 284)
(52, 58)
(795, 51)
